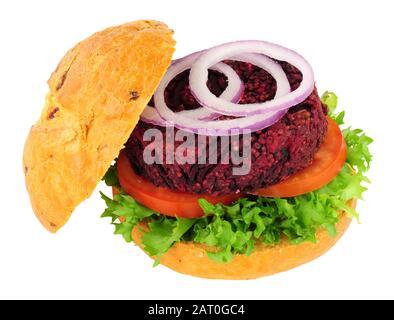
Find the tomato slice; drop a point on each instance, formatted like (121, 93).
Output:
(326, 165)
(163, 200)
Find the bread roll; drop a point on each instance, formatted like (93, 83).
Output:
(191, 258)
(96, 96)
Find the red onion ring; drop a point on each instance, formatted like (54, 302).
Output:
(150, 115)
(221, 127)
(233, 92)
(199, 76)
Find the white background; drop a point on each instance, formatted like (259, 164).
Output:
(348, 43)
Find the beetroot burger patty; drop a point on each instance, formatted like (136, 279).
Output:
(277, 152)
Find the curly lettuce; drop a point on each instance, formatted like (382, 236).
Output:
(227, 230)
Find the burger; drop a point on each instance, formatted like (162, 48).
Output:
(224, 164)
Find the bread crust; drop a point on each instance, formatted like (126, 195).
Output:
(191, 258)
(97, 93)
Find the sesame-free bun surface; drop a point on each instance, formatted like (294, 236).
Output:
(96, 96)
(191, 258)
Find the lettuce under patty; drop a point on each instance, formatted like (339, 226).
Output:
(235, 229)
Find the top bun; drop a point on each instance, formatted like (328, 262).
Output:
(97, 94)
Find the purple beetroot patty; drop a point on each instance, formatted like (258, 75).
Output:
(277, 152)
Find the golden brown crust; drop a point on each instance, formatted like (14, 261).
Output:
(190, 258)
(97, 93)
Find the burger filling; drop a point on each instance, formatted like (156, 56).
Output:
(233, 229)
(205, 202)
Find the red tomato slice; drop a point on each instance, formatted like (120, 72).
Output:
(326, 165)
(163, 200)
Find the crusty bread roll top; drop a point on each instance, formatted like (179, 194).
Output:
(96, 96)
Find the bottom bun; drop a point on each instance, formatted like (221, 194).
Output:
(191, 258)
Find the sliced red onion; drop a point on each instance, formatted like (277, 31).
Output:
(235, 126)
(199, 76)
(233, 92)
(150, 115)
(223, 127)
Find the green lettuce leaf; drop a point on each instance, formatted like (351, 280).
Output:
(111, 177)
(163, 233)
(236, 228)
(125, 213)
